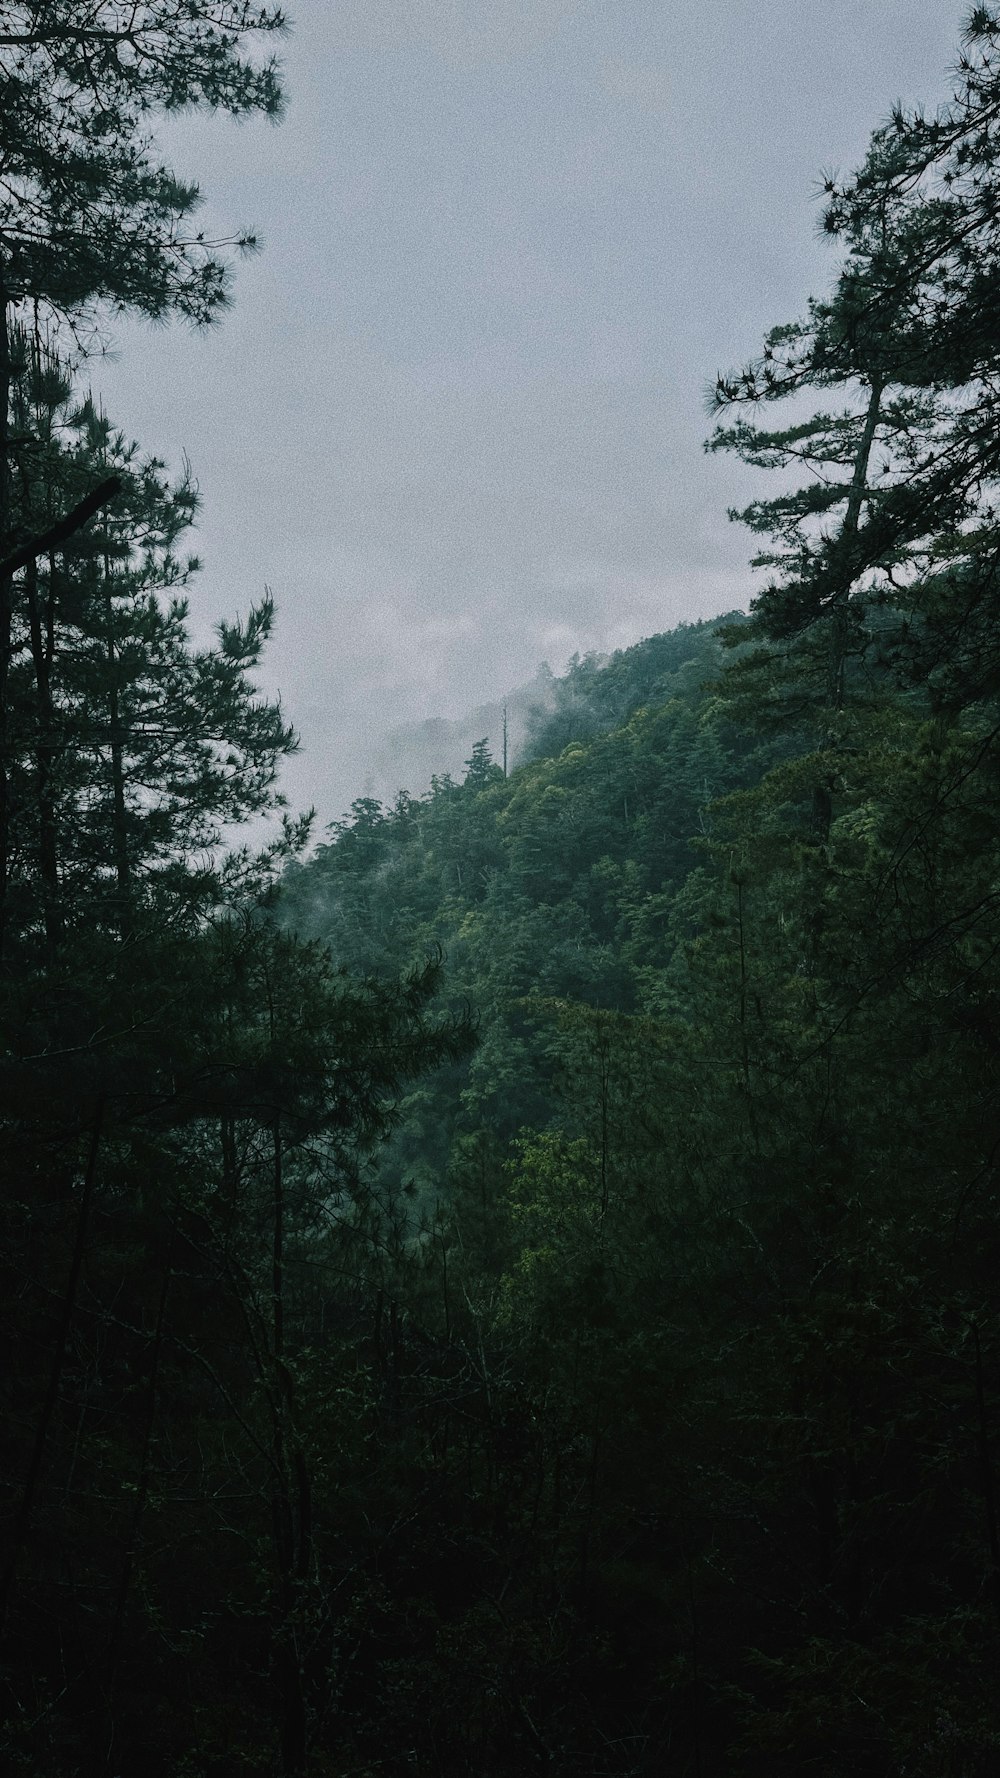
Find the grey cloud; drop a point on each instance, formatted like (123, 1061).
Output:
(455, 418)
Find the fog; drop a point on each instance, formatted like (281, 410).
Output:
(454, 420)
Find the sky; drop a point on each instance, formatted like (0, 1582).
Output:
(454, 420)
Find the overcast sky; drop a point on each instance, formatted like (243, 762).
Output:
(455, 418)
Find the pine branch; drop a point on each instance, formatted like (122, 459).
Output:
(64, 528)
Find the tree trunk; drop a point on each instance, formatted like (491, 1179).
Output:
(291, 1507)
(119, 812)
(6, 596)
(22, 1522)
(142, 1483)
(840, 605)
(848, 534)
(45, 755)
(986, 1464)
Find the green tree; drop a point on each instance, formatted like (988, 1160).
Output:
(88, 213)
(130, 751)
(89, 217)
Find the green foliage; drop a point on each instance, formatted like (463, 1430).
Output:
(715, 1207)
(522, 1292)
(88, 214)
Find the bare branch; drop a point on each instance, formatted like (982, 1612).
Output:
(64, 528)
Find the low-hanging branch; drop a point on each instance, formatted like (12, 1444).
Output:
(63, 528)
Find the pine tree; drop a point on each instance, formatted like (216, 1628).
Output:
(90, 218)
(845, 537)
(129, 752)
(88, 213)
(938, 177)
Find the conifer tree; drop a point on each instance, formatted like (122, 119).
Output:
(937, 174)
(843, 536)
(90, 217)
(910, 474)
(128, 751)
(89, 214)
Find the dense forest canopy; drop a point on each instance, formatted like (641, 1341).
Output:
(517, 1288)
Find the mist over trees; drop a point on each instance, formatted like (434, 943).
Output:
(412, 755)
(516, 1288)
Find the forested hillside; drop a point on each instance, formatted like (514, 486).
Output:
(516, 1290)
(692, 1260)
(554, 886)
